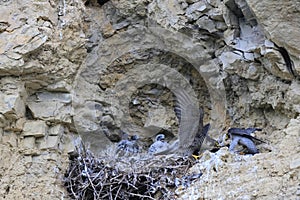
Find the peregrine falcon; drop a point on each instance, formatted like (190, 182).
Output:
(128, 146)
(159, 145)
(191, 131)
(191, 137)
(208, 143)
(243, 136)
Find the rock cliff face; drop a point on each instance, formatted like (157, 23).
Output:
(72, 68)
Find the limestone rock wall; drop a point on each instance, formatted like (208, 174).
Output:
(272, 175)
(74, 67)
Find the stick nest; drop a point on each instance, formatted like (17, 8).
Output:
(120, 177)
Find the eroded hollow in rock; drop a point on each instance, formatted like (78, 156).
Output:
(151, 97)
(154, 102)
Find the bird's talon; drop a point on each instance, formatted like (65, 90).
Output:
(217, 145)
(197, 157)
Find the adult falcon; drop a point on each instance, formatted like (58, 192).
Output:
(243, 136)
(191, 132)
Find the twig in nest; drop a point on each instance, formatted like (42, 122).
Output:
(118, 192)
(90, 178)
(139, 195)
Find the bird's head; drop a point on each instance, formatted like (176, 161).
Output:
(134, 137)
(160, 137)
(227, 136)
(122, 145)
(228, 132)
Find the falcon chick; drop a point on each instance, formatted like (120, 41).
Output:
(159, 145)
(128, 146)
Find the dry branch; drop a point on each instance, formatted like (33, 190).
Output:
(126, 177)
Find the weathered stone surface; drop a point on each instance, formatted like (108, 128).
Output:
(12, 98)
(19, 124)
(295, 164)
(129, 8)
(22, 36)
(56, 130)
(1, 133)
(51, 106)
(35, 128)
(229, 59)
(168, 13)
(196, 10)
(259, 176)
(31, 37)
(284, 17)
(29, 142)
(3, 121)
(69, 143)
(274, 62)
(157, 118)
(276, 119)
(107, 120)
(293, 96)
(87, 124)
(50, 142)
(21, 173)
(283, 28)
(207, 24)
(107, 29)
(60, 86)
(9, 138)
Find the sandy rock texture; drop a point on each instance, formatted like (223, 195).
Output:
(271, 175)
(72, 68)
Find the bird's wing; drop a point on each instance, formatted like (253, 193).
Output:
(252, 130)
(205, 129)
(243, 130)
(201, 133)
(189, 118)
(243, 133)
(200, 136)
(204, 133)
(177, 111)
(253, 138)
(249, 144)
(237, 130)
(233, 143)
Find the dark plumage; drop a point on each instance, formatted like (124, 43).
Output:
(245, 132)
(243, 136)
(191, 133)
(190, 117)
(200, 136)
